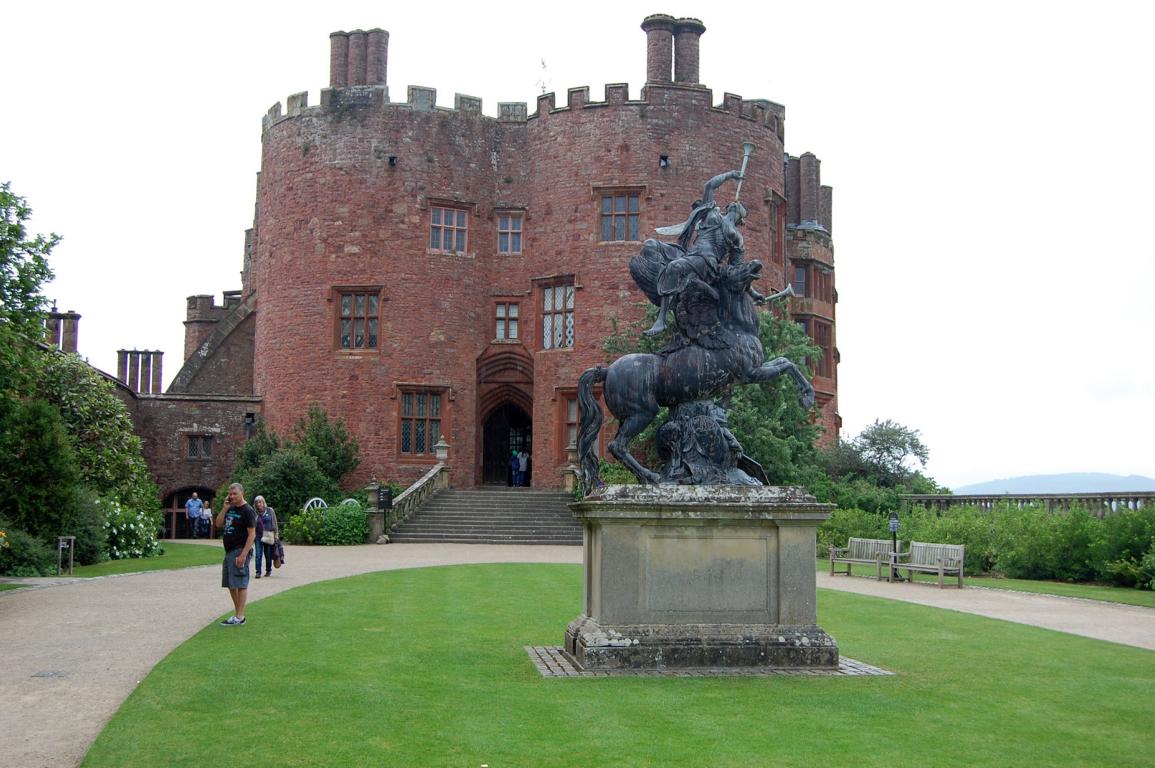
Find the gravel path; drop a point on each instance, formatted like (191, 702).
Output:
(73, 650)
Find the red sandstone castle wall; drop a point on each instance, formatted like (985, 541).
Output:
(577, 153)
(335, 212)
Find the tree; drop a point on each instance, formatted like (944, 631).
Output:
(40, 491)
(100, 429)
(768, 420)
(38, 470)
(311, 463)
(23, 266)
(23, 270)
(328, 442)
(873, 470)
(257, 449)
(888, 448)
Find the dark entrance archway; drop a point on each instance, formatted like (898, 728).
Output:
(507, 429)
(176, 522)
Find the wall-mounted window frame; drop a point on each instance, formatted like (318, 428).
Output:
(357, 318)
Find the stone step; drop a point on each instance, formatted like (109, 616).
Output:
(492, 515)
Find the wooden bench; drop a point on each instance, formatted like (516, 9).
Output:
(943, 559)
(874, 552)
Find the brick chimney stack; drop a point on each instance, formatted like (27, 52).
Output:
(157, 371)
(140, 370)
(687, 34)
(338, 59)
(52, 329)
(809, 170)
(358, 58)
(659, 29)
(377, 57)
(60, 330)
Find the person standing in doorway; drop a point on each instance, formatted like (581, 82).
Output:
(522, 466)
(238, 522)
(206, 530)
(513, 465)
(192, 510)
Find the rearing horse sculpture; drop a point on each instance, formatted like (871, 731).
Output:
(636, 386)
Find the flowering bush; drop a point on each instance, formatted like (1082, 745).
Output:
(342, 524)
(130, 533)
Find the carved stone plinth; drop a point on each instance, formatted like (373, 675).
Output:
(700, 576)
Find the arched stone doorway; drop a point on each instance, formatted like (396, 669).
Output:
(507, 429)
(504, 410)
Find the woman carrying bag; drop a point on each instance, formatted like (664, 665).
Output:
(268, 534)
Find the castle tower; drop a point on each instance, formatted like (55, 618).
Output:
(810, 253)
(423, 272)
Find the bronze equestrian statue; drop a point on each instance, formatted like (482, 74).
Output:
(707, 284)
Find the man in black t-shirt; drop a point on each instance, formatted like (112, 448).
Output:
(238, 521)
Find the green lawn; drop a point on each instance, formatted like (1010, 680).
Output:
(426, 668)
(176, 555)
(1127, 595)
(10, 586)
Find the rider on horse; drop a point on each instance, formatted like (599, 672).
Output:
(716, 239)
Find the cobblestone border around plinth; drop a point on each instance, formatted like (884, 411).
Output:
(552, 661)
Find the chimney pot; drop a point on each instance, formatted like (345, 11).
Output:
(659, 29)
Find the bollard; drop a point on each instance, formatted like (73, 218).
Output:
(63, 543)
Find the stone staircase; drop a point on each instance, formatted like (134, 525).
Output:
(492, 516)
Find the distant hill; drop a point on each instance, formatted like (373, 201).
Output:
(1072, 482)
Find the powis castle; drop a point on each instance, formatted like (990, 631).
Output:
(425, 272)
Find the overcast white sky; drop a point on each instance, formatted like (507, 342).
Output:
(992, 167)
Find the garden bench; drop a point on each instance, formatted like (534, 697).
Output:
(943, 559)
(874, 552)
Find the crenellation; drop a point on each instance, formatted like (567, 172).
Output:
(579, 97)
(297, 102)
(617, 93)
(545, 104)
(467, 104)
(512, 111)
(422, 99)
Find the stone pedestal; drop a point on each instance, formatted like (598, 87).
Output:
(700, 576)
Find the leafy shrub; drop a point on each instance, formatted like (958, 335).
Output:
(1126, 537)
(25, 554)
(341, 524)
(39, 476)
(1147, 569)
(130, 533)
(86, 521)
(614, 473)
(976, 528)
(846, 523)
(287, 479)
(304, 527)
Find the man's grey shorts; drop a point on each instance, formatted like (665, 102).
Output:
(233, 577)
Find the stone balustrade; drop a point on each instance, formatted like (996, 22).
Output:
(1099, 504)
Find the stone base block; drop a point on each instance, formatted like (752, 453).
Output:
(682, 646)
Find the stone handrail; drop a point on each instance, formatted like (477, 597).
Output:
(411, 499)
(1099, 504)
